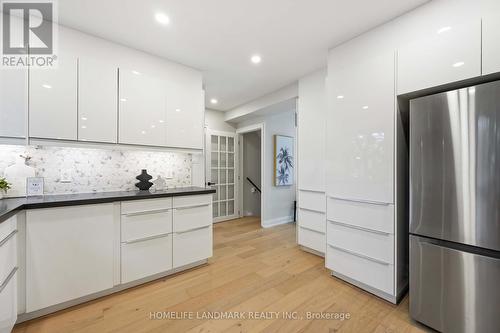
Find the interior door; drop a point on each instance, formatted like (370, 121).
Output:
(222, 173)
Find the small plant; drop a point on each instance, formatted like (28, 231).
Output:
(4, 185)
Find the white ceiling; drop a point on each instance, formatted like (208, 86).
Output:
(219, 36)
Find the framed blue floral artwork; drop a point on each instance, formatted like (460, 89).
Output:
(283, 160)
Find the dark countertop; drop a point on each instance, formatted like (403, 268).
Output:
(10, 206)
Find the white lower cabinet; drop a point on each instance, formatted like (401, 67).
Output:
(147, 257)
(8, 274)
(311, 226)
(69, 253)
(192, 246)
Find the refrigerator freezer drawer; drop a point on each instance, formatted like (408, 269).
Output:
(451, 290)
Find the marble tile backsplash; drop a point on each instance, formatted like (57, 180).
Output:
(98, 170)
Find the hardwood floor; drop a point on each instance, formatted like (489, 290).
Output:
(254, 272)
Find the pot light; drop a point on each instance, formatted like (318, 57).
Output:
(177, 110)
(161, 121)
(214, 101)
(47, 86)
(458, 64)
(84, 127)
(256, 59)
(84, 118)
(340, 97)
(365, 107)
(136, 73)
(162, 18)
(443, 29)
(123, 99)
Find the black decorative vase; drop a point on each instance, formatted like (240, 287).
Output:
(144, 181)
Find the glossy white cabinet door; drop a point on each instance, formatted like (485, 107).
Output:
(97, 101)
(53, 100)
(360, 132)
(491, 45)
(445, 52)
(312, 132)
(13, 102)
(69, 253)
(185, 115)
(142, 109)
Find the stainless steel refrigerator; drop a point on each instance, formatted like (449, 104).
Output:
(455, 209)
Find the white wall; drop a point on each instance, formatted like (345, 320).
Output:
(278, 201)
(215, 120)
(251, 161)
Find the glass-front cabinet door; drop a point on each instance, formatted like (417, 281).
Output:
(222, 174)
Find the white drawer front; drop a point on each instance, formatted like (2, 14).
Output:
(192, 200)
(146, 258)
(312, 239)
(312, 200)
(147, 205)
(8, 254)
(187, 218)
(365, 215)
(192, 246)
(377, 245)
(312, 220)
(374, 274)
(146, 225)
(8, 304)
(6, 227)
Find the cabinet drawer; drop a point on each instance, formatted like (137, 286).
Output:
(371, 273)
(192, 246)
(312, 220)
(312, 200)
(8, 254)
(187, 218)
(137, 226)
(148, 205)
(6, 227)
(312, 239)
(8, 303)
(377, 245)
(370, 216)
(192, 200)
(141, 259)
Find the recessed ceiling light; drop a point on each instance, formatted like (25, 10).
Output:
(365, 107)
(459, 64)
(123, 99)
(340, 96)
(214, 101)
(84, 118)
(177, 110)
(47, 86)
(161, 121)
(443, 29)
(162, 18)
(136, 73)
(256, 59)
(84, 127)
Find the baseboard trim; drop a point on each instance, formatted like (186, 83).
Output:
(277, 221)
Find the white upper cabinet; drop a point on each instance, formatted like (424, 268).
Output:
(53, 99)
(491, 45)
(185, 115)
(142, 109)
(97, 101)
(443, 52)
(312, 132)
(13, 102)
(360, 131)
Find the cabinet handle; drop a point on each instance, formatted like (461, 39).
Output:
(308, 190)
(312, 210)
(383, 233)
(360, 255)
(145, 239)
(7, 279)
(9, 236)
(189, 230)
(189, 207)
(369, 202)
(310, 229)
(146, 212)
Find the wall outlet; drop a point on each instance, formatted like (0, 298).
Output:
(66, 176)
